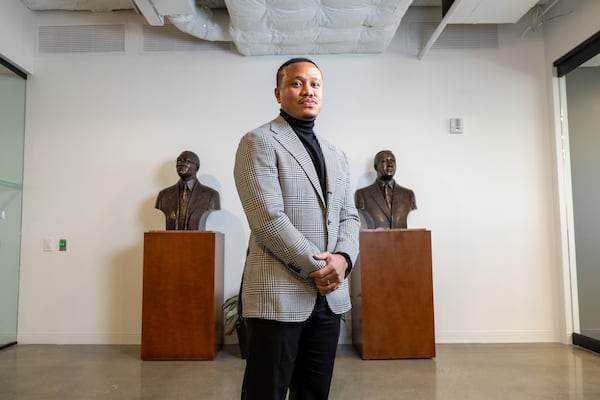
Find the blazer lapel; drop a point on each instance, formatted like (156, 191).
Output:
(286, 136)
(331, 166)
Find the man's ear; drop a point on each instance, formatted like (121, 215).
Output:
(277, 95)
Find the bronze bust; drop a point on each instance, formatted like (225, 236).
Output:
(187, 203)
(385, 204)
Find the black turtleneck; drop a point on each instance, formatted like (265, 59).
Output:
(306, 134)
(304, 131)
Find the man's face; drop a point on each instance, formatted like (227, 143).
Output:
(186, 168)
(300, 91)
(385, 165)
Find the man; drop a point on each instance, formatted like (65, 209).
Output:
(295, 191)
(187, 203)
(385, 204)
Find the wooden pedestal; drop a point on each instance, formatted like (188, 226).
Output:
(182, 317)
(392, 295)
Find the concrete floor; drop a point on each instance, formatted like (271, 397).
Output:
(458, 372)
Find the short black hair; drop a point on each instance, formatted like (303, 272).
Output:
(292, 61)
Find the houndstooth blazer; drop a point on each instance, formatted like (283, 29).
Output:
(290, 221)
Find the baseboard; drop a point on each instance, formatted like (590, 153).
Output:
(495, 337)
(442, 337)
(79, 338)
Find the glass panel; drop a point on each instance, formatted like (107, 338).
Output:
(12, 119)
(583, 99)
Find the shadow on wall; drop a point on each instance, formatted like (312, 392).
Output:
(233, 230)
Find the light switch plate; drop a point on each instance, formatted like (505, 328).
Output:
(48, 244)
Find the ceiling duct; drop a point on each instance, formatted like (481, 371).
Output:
(264, 27)
(328, 26)
(199, 21)
(204, 23)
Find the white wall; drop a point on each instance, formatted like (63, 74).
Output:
(17, 37)
(103, 131)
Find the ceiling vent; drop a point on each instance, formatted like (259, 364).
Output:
(81, 39)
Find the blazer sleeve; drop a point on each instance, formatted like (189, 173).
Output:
(257, 178)
(349, 221)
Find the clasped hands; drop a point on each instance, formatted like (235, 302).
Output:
(331, 276)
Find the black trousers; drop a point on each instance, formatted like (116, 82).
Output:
(298, 356)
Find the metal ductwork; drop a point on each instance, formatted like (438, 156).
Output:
(286, 26)
(199, 21)
(266, 27)
(204, 23)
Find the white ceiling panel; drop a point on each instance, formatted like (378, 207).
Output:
(489, 11)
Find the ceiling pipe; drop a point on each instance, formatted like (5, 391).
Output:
(538, 19)
(148, 11)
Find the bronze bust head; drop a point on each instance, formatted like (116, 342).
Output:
(187, 203)
(385, 204)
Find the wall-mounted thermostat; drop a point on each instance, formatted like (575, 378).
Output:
(456, 125)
